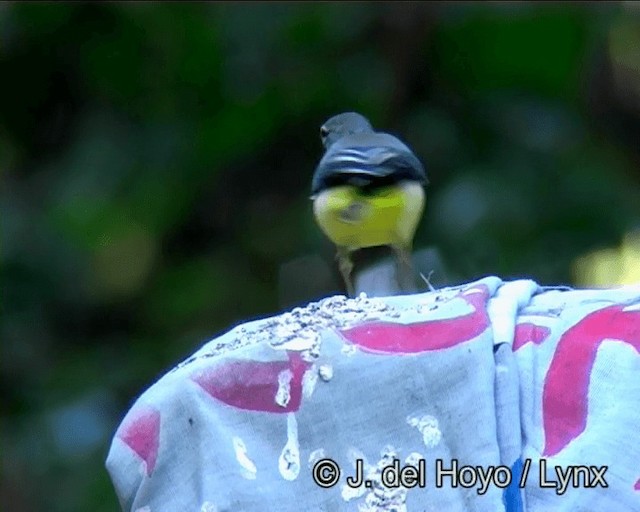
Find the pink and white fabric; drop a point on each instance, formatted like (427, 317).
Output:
(485, 397)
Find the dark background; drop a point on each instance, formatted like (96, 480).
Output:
(157, 158)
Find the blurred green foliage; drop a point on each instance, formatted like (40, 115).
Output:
(156, 162)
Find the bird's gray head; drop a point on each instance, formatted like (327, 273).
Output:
(341, 125)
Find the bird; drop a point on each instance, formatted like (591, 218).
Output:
(368, 190)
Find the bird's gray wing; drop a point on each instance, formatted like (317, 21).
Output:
(367, 160)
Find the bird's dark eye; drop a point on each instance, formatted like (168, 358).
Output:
(324, 132)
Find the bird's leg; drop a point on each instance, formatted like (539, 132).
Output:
(346, 266)
(404, 269)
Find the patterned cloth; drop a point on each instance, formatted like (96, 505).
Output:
(492, 396)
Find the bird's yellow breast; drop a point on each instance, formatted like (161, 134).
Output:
(387, 216)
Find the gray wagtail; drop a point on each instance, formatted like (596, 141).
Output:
(367, 191)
